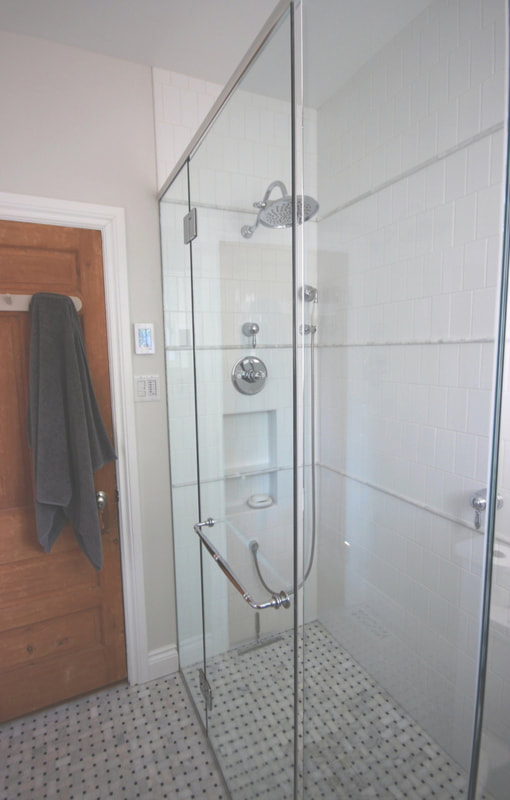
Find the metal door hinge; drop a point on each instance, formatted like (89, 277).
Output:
(205, 689)
(190, 226)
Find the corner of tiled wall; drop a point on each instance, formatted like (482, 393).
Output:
(181, 103)
(410, 183)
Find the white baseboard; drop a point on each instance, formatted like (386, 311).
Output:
(162, 661)
(191, 650)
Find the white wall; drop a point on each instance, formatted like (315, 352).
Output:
(79, 126)
(410, 173)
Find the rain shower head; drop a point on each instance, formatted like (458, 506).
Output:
(279, 213)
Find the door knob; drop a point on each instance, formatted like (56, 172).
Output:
(101, 500)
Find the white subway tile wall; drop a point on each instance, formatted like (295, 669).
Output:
(181, 103)
(410, 182)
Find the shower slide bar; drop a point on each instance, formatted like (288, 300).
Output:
(278, 599)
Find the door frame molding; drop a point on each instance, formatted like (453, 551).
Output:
(110, 220)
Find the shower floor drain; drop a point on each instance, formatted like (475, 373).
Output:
(366, 619)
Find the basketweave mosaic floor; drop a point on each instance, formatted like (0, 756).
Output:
(146, 742)
(359, 743)
(122, 743)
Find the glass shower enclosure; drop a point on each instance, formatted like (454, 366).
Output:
(334, 279)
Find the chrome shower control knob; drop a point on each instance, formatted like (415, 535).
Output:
(478, 501)
(249, 375)
(251, 329)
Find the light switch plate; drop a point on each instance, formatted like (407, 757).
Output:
(146, 388)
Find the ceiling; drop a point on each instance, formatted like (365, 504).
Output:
(202, 38)
(208, 38)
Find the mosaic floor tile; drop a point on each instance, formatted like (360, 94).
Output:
(146, 742)
(359, 743)
(122, 743)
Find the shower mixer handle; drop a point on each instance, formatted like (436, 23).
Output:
(252, 376)
(251, 329)
(249, 373)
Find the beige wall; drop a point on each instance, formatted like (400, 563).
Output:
(79, 126)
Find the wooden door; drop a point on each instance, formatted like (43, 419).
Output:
(61, 622)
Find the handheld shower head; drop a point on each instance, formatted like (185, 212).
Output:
(278, 213)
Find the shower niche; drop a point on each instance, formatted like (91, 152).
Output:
(249, 442)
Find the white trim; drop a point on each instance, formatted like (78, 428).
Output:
(163, 661)
(191, 650)
(110, 221)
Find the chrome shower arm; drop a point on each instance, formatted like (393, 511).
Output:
(263, 203)
(248, 230)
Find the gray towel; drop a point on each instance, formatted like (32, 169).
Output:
(66, 431)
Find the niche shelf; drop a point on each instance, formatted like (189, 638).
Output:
(249, 441)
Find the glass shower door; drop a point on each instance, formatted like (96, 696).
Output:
(242, 287)
(178, 305)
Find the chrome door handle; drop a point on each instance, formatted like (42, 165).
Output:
(277, 600)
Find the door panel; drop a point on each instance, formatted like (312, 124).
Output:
(244, 429)
(71, 632)
(178, 303)
(61, 622)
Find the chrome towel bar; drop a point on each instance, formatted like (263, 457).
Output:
(277, 600)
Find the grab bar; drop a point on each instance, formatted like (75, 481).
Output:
(277, 600)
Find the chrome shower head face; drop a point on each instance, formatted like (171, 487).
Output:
(278, 213)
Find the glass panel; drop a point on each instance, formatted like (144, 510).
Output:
(243, 300)
(403, 142)
(494, 762)
(409, 174)
(181, 418)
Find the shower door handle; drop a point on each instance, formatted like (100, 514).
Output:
(277, 600)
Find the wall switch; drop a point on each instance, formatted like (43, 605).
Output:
(146, 388)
